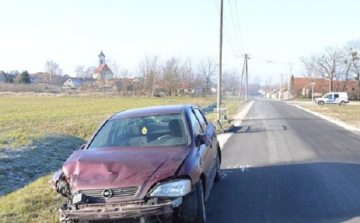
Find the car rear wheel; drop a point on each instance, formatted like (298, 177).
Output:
(201, 213)
(342, 103)
(321, 103)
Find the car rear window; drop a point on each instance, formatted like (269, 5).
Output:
(159, 130)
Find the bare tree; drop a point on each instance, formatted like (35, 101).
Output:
(230, 81)
(114, 67)
(187, 76)
(80, 71)
(207, 70)
(89, 72)
(171, 76)
(329, 62)
(311, 66)
(353, 51)
(54, 71)
(149, 69)
(124, 83)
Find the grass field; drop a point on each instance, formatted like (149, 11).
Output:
(349, 114)
(38, 133)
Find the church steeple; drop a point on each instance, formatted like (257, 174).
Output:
(101, 58)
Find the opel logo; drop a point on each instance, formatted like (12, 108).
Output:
(107, 193)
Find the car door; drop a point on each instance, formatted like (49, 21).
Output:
(331, 99)
(210, 152)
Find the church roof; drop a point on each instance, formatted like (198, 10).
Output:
(103, 68)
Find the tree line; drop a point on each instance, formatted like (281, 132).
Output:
(335, 63)
(172, 75)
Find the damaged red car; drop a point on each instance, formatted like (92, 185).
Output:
(146, 165)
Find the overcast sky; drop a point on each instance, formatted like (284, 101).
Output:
(73, 33)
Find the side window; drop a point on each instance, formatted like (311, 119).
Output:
(201, 118)
(195, 124)
(336, 95)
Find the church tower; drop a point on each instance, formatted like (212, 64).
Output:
(101, 58)
(103, 71)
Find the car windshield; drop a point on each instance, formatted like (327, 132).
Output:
(159, 130)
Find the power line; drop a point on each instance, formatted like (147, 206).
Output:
(228, 33)
(233, 23)
(238, 19)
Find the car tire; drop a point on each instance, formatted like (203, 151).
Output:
(201, 213)
(342, 103)
(217, 175)
(321, 103)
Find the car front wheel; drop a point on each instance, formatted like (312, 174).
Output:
(201, 213)
(321, 103)
(217, 175)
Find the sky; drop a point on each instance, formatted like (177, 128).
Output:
(274, 33)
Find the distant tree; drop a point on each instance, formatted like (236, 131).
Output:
(14, 72)
(328, 64)
(89, 72)
(80, 71)
(171, 76)
(187, 75)
(207, 70)
(114, 67)
(230, 81)
(24, 77)
(149, 68)
(54, 71)
(9, 78)
(352, 49)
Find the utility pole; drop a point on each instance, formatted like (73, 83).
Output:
(218, 90)
(269, 87)
(242, 77)
(247, 78)
(281, 87)
(289, 77)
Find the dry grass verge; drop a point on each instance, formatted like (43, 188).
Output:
(349, 114)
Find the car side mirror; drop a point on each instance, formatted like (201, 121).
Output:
(82, 147)
(203, 138)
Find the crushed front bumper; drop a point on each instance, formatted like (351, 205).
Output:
(112, 211)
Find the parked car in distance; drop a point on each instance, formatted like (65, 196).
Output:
(340, 98)
(154, 164)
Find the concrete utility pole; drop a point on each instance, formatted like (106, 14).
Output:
(281, 87)
(242, 77)
(289, 78)
(218, 90)
(269, 87)
(247, 78)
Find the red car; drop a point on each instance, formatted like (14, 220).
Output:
(154, 164)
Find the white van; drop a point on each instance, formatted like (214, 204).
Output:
(340, 98)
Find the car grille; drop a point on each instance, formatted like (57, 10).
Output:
(116, 193)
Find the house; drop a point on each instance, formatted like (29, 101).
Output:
(39, 77)
(6, 77)
(103, 72)
(76, 83)
(73, 83)
(302, 86)
(2, 76)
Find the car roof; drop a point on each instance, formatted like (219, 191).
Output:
(154, 110)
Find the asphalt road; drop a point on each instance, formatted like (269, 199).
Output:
(283, 164)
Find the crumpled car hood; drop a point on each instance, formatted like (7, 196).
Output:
(122, 167)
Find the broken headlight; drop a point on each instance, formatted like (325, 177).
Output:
(63, 187)
(176, 188)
